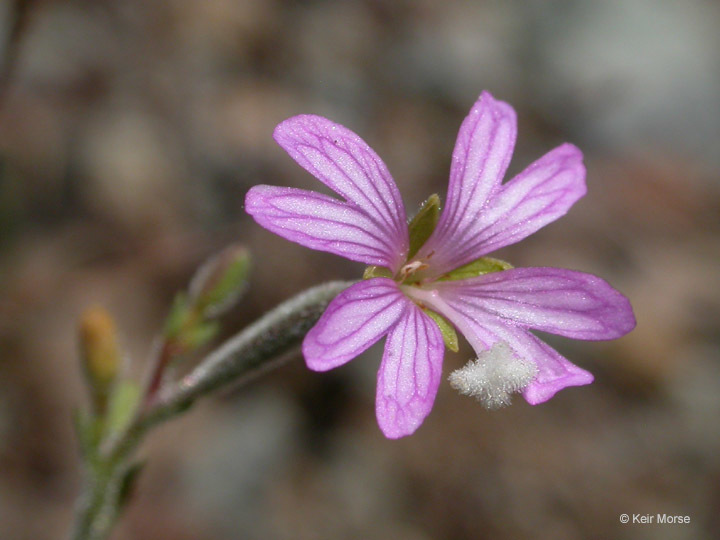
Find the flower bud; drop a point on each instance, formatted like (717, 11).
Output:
(99, 353)
(219, 282)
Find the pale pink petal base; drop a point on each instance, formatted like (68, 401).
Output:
(410, 373)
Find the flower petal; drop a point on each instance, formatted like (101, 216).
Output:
(320, 222)
(483, 330)
(555, 372)
(555, 300)
(356, 319)
(481, 156)
(537, 196)
(346, 164)
(410, 373)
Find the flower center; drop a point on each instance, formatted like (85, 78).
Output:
(408, 271)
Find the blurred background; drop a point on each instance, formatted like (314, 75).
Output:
(130, 132)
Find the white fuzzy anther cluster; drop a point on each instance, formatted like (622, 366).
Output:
(494, 376)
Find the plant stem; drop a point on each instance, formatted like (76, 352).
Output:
(257, 348)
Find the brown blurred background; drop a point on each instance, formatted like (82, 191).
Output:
(129, 134)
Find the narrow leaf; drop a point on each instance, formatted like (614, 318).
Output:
(123, 402)
(88, 430)
(219, 283)
(199, 335)
(179, 314)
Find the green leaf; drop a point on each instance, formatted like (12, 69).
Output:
(123, 403)
(479, 267)
(423, 224)
(89, 430)
(377, 271)
(199, 334)
(226, 280)
(446, 329)
(179, 314)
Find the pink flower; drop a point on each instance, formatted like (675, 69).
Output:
(496, 305)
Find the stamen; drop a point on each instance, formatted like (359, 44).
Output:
(494, 376)
(411, 268)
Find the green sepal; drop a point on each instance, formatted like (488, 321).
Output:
(423, 224)
(479, 267)
(446, 329)
(199, 335)
(123, 403)
(377, 271)
(180, 312)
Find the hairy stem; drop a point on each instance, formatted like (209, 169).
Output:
(257, 348)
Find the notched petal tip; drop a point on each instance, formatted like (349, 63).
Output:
(501, 112)
(486, 99)
(395, 423)
(315, 358)
(570, 158)
(555, 373)
(623, 320)
(295, 128)
(537, 392)
(572, 152)
(254, 197)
